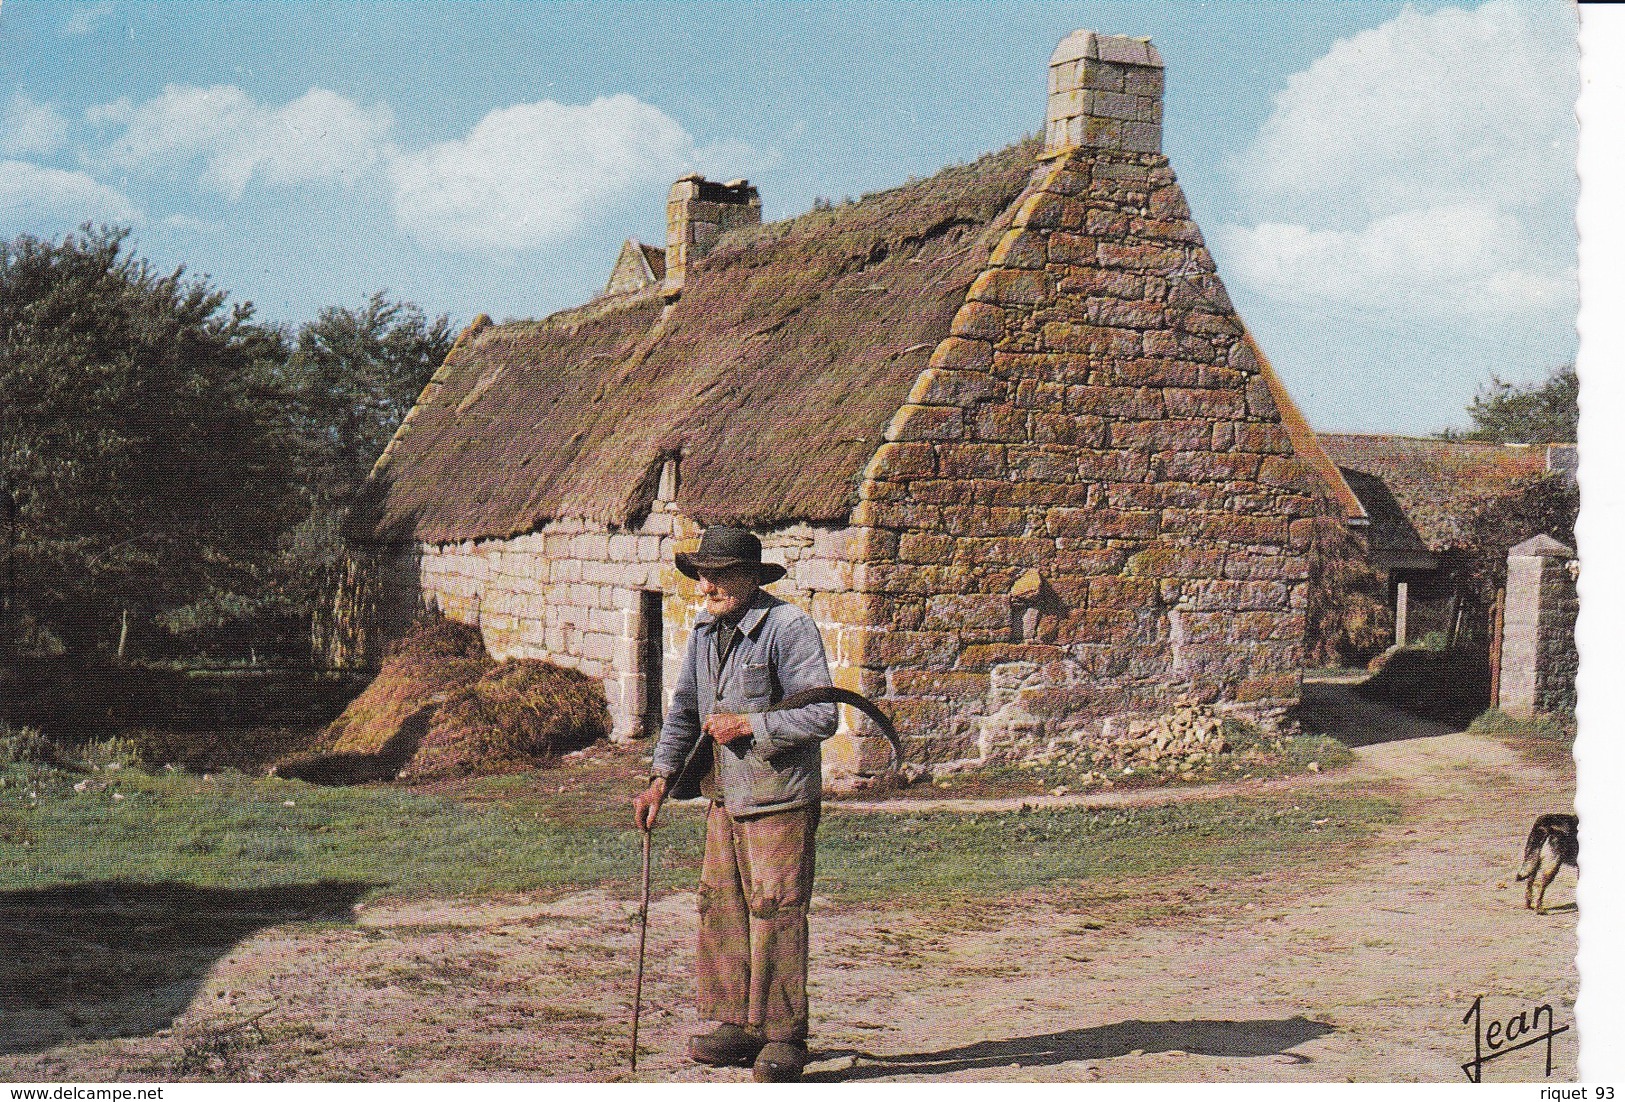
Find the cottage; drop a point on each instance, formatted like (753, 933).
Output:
(1003, 427)
(1437, 517)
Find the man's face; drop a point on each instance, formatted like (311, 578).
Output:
(727, 592)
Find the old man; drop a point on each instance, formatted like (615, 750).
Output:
(748, 651)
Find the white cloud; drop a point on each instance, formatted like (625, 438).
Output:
(85, 17)
(28, 128)
(30, 192)
(1419, 177)
(522, 176)
(536, 172)
(1425, 109)
(1466, 262)
(319, 137)
(189, 224)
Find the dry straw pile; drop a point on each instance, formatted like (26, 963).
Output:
(440, 707)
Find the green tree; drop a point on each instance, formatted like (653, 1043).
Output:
(139, 478)
(1547, 412)
(351, 378)
(167, 460)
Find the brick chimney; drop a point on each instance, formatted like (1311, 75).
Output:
(698, 211)
(1105, 92)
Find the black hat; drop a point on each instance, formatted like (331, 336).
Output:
(722, 547)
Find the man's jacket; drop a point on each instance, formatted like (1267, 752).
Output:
(777, 652)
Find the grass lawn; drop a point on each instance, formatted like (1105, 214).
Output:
(568, 827)
(947, 855)
(231, 830)
(1544, 738)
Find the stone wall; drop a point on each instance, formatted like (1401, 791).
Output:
(698, 212)
(1098, 419)
(571, 593)
(1539, 659)
(1105, 92)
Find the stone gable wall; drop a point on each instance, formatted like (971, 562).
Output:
(1096, 418)
(631, 271)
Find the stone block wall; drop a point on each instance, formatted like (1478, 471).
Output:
(1105, 92)
(571, 594)
(698, 211)
(1096, 417)
(1539, 658)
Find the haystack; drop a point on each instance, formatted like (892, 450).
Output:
(441, 707)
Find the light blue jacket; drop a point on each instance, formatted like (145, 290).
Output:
(778, 652)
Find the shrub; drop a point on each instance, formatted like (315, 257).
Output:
(121, 753)
(1348, 618)
(25, 745)
(1451, 686)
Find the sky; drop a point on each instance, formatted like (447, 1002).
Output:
(1388, 189)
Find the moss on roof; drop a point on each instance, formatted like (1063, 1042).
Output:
(490, 454)
(774, 376)
(1430, 491)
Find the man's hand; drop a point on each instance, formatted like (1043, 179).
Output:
(726, 726)
(646, 805)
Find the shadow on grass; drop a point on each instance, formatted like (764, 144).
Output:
(1267, 1037)
(123, 959)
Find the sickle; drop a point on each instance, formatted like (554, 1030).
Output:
(686, 784)
(829, 694)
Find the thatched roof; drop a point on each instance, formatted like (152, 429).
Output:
(774, 377)
(1389, 535)
(1422, 495)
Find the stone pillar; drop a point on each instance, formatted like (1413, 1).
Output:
(1538, 656)
(1402, 612)
(698, 211)
(1105, 92)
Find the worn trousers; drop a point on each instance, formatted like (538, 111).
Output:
(755, 884)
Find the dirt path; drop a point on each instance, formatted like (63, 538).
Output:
(1364, 977)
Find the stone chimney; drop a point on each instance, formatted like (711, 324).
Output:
(698, 211)
(1105, 92)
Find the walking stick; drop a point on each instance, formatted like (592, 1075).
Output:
(643, 937)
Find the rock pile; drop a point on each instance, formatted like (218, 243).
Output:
(1188, 738)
